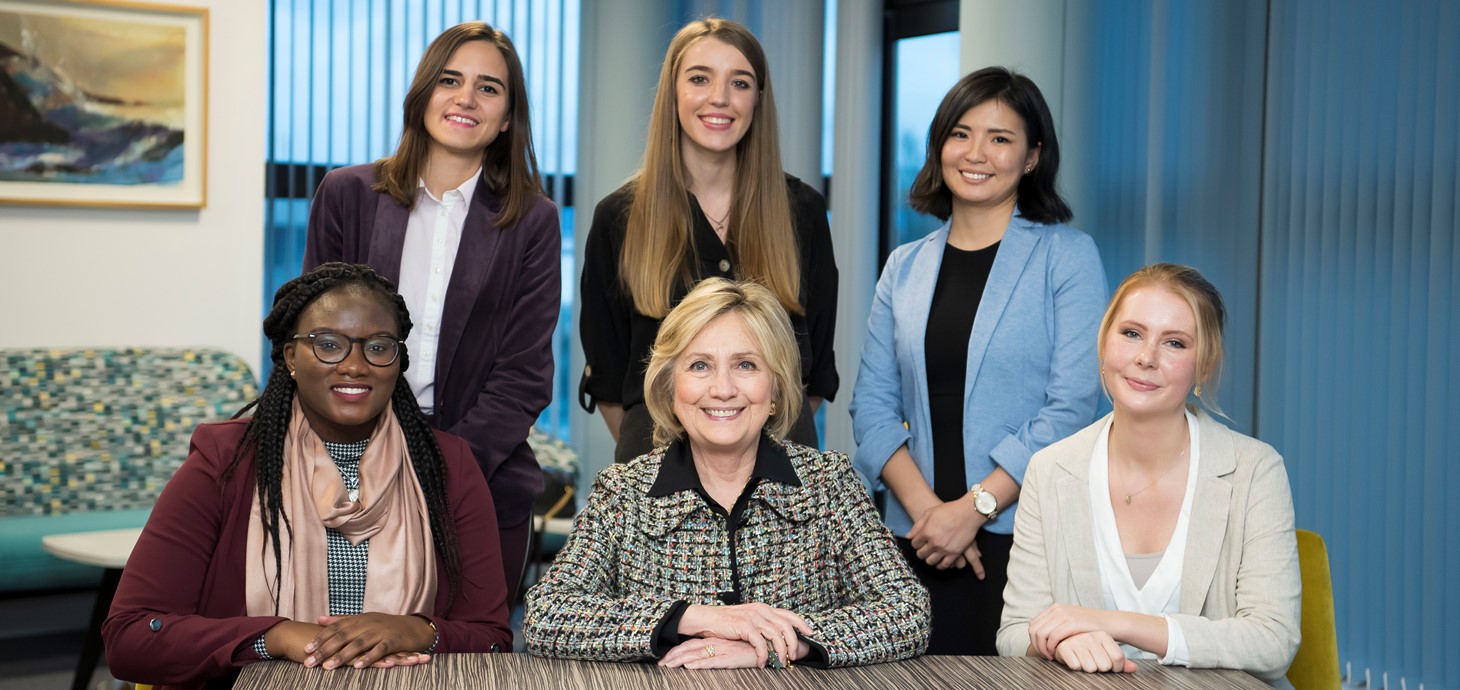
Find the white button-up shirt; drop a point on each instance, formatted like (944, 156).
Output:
(433, 234)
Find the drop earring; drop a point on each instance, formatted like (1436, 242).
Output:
(1198, 390)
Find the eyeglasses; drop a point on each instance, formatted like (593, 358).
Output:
(333, 348)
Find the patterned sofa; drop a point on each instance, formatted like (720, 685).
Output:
(88, 437)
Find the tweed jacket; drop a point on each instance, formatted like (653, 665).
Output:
(815, 547)
(1240, 586)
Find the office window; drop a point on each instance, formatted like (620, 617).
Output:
(922, 62)
(338, 73)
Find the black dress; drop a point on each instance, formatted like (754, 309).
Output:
(966, 610)
(617, 338)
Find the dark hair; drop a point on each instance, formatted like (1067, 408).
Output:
(264, 434)
(508, 163)
(1038, 199)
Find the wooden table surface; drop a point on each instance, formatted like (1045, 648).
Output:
(524, 671)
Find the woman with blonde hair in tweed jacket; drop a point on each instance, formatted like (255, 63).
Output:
(725, 547)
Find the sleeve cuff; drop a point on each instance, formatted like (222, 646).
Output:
(594, 389)
(261, 648)
(817, 657)
(666, 634)
(1013, 456)
(1177, 653)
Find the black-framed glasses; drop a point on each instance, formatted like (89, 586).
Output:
(333, 348)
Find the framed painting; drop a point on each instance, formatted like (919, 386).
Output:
(103, 103)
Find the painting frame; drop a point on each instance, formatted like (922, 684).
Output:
(187, 186)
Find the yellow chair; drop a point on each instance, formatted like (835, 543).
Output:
(1316, 665)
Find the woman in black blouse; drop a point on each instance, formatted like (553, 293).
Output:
(708, 201)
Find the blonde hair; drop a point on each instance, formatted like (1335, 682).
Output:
(1206, 304)
(509, 163)
(759, 235)
(769, 326)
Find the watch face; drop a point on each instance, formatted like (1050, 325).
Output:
(985, 502)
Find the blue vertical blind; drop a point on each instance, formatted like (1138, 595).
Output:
(1303, 155)
(1161, 136)
(339, 72)
(1359, 316)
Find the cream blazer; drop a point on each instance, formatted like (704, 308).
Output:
(1240, 586)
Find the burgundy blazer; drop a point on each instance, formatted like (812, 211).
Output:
(494, 367)
(179, 612)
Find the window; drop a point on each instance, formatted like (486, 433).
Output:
(922, 60)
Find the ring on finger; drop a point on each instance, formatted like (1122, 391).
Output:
(708, 651)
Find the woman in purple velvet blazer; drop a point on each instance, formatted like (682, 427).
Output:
(458, 219)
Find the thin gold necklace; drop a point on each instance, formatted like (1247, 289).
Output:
(1152, 483)
(717, 224)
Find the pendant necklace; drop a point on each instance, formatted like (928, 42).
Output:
(1152, 483)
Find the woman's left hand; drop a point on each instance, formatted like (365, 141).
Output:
(402, 659)
(1062, 621)
(711, 652)
(362, 640)
(944, 533)
(718, 652)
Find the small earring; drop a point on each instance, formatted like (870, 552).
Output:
(1102, 366)
(773, 408)
(1028, 170)
(291, 373)
(1198, 390)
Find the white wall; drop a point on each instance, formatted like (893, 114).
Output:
(117, 277)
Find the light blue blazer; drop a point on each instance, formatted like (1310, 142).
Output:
(1032, 375)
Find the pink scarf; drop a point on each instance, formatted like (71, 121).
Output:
(400, 577)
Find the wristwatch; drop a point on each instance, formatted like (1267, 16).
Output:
(984, 502)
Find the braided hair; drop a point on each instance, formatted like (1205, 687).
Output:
(263, 436)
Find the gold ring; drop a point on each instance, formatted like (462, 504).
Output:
(709, 650)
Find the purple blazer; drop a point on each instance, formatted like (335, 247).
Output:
(494, 367)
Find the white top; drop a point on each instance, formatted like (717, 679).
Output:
(1161, 594)
(433, 234)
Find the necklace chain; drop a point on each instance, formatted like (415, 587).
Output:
(1132, 494)
(718, 224)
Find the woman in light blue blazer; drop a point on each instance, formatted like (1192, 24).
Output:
(980, 349)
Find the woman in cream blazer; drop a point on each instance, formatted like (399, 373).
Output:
(1119, 550)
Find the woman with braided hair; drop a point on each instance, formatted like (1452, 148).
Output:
(307, 530)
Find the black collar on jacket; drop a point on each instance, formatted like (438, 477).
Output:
(677, 470)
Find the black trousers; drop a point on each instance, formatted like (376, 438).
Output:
(966, 610)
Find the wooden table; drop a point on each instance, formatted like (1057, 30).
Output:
(109, 550)
(523, 671)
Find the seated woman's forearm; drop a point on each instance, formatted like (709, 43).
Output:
(1144, 632)
(573, 625)
(288, 639)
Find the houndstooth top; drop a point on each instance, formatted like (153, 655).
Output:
(812, 544)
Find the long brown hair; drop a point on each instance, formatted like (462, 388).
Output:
(657, 247)
(509, 163)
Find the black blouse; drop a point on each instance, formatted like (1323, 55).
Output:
(617, 338)
(956, 298)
